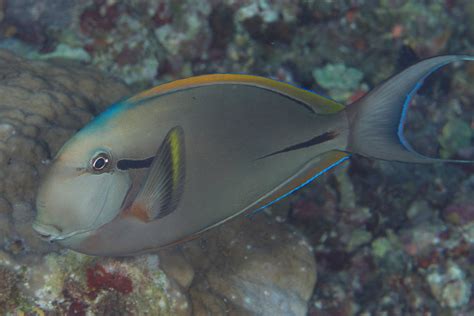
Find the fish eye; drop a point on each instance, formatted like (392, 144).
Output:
(100, 162)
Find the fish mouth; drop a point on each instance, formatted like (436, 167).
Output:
(52, 233)
(46, 232)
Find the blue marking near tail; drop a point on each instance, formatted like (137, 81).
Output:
(408, 98)
(301, 185)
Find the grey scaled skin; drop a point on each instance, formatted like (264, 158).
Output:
(169, 163)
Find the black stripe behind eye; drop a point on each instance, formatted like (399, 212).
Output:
(126, 164)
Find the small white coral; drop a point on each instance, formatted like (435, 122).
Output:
(450, 287)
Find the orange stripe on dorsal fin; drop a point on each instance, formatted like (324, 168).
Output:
(319, 104)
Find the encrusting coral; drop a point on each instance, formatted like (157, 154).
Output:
(8, 288)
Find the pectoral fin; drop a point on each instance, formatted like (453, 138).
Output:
(163, 186)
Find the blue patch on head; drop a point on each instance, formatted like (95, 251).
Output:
(104, 117)
(301, 185)
(96, 124)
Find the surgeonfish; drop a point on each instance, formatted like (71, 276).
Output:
(171, 162)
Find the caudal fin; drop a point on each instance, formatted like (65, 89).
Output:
(376, 120)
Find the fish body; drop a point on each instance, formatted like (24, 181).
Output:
(174, 161)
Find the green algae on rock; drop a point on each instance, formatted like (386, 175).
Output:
(339, 80)
(456, 135)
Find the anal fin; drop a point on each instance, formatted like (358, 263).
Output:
(313, 169)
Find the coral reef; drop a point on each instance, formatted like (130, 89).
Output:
(74, 283)
(389, 238)
(254, 266)
(338, 80)
(8, 289)
(450, 287)
(456, 135)
(247, 267)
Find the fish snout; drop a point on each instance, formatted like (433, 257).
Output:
(47, 232)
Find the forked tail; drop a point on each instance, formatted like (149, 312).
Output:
(376, 120)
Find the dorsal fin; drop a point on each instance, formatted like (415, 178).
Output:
(319, 104)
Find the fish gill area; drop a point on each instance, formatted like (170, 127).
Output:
(372, 238)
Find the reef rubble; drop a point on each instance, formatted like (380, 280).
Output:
(389, 238)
